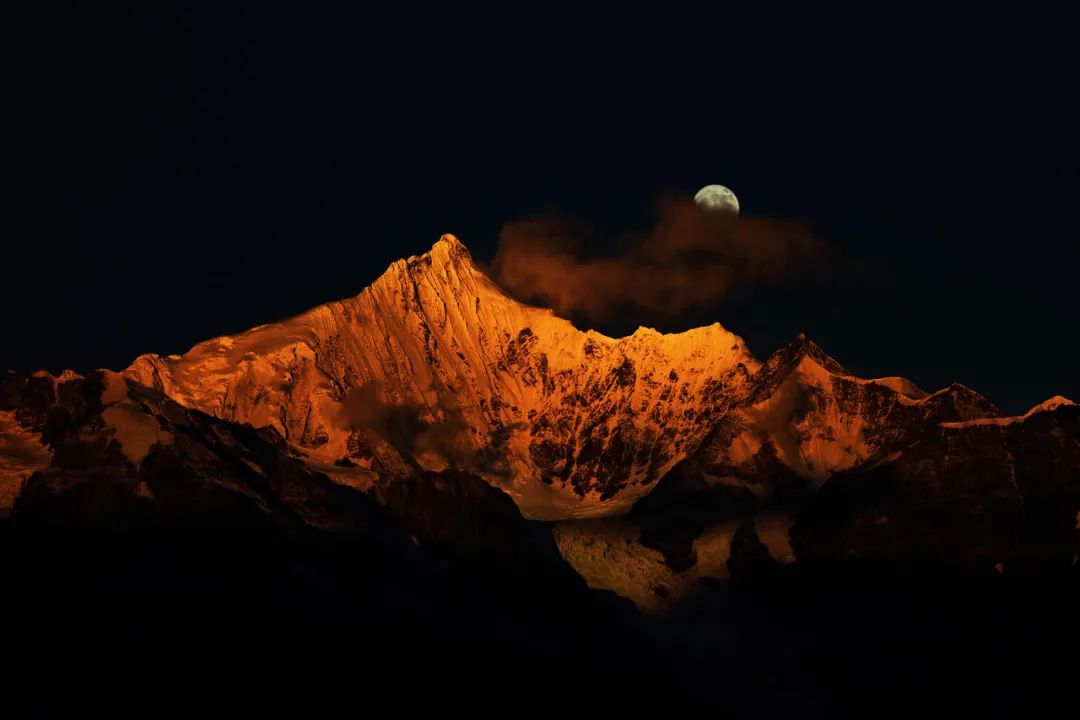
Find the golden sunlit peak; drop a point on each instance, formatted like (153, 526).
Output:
(447, 247)
(449, 243)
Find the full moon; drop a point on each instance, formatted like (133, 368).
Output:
(717, 197)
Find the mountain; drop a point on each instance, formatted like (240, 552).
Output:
(434, 367)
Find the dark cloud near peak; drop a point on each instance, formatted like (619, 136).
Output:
(688, 261)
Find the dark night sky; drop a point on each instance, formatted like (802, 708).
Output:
(187, 175)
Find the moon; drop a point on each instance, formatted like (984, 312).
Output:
(717, 197)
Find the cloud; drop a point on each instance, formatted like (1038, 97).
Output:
(414, 430)
(688, 261)
(405, 426)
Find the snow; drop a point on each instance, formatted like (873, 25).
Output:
(1046, 406)
(609, 556)
(803, 421)
(136, 431)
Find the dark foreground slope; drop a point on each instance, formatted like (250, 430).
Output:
(213, 559)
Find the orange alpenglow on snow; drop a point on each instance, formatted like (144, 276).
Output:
(570, 423)
(434, 366)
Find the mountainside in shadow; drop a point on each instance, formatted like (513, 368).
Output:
(156, 543)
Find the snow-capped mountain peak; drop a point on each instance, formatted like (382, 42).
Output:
(434, 366)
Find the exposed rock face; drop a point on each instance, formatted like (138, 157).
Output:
(434, 367)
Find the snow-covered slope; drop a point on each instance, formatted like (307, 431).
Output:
(814, 417)
(609, 555)
(1045, 406)
(434, 366)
